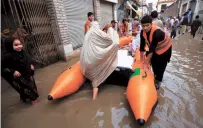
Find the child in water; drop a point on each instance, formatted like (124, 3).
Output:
(18, 70)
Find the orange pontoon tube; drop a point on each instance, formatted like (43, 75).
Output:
(68, 82)
(125, 40)
(141, 92)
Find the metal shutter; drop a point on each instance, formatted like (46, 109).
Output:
(106, 12)
(76, 13)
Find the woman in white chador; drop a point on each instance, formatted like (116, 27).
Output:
(98, 57)
(135, 42)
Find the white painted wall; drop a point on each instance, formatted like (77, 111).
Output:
(199, 6)
(184, 2)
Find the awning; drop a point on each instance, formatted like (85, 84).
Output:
(112, 1)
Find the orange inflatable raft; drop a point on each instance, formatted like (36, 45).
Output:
(125, 40)
(67, 83)
(141, 92)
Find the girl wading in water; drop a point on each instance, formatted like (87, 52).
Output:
(18, 70)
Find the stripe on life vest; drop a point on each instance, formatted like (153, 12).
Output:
(136, 72)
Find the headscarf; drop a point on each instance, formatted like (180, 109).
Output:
(9, 48)
(21, 34)
(9, 44)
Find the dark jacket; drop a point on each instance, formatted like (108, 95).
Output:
(16, 61)
(196, 23)
(185, 21)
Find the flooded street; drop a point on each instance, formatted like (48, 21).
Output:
(180, 98)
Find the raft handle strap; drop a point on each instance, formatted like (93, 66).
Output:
(145, 75)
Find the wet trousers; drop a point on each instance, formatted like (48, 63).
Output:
(173, 34)
(183, 29)
(24, 85)
(159, 63)
(193, 31)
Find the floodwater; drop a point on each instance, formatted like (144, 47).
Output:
(180, 98)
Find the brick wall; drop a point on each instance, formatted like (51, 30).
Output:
(172, 10)
(96, 7)
(59, 27)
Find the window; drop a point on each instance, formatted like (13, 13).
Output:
(163, 6)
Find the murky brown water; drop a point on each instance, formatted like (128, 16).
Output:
(180, 99)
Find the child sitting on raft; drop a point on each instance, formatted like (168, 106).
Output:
(18, 70)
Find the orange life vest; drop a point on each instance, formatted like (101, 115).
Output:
(123, 28)
(87, 26)
(126, 27)
(162, 46)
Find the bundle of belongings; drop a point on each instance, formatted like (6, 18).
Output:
(98, 57)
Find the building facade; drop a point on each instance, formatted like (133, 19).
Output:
(56, 26)
(195, 5)
(163, 4)
(125, 11)
(144, 8)
(75, 16)
(172, 10)
(150, 5)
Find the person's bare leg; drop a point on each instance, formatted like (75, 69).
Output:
(95, 93)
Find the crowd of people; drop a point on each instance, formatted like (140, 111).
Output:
(149, 37)
(99, 51)
(183, 24)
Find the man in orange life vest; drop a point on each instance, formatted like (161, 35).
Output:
(90, 16)
(112, 24)
(123, 28)
(159, 48)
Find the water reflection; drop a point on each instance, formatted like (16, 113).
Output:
(180, 96)
(180, 99)
(118, 114)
